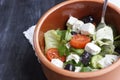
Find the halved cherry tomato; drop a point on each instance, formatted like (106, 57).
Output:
(53, 53)
(79, 41)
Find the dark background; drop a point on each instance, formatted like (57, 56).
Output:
(17, 58)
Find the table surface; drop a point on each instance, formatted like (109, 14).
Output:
(17, 58)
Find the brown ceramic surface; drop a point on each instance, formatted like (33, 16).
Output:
(56, 18)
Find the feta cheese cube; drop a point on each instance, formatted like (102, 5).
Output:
(57, 62)
(74, 57)
(87, 29)
(71, 21)
(76, 26)
(77, 69)
(107, 60)
(92, 48)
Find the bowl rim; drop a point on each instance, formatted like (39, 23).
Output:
(52, 67)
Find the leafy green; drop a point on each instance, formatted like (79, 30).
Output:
(104, 42)
(52, 39)
(77, 51)
(65, 36)
(86, 69)
(117, 37)
(61, 33)
(63, 50)
(68, 35)
(117, 43)
(107, 49)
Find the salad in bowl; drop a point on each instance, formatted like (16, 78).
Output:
(82, 46)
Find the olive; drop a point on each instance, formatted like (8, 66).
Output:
(88, 19)
(73, 32)
(85, 58)
(69, 67)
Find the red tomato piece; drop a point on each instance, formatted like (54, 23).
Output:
(79, 41)
(53, 53)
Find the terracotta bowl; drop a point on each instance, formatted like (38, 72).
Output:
(56, 18)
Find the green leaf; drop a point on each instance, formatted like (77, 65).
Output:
(63, 50)
(86, 69)
(61, 33)
(52, 39)
(117, 43)
(77, 51)
(104, 42)
(117, 37)
(68, 35)
(107, 49)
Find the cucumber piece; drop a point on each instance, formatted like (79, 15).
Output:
(94, 61)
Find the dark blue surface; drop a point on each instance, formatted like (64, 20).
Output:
(17, 58)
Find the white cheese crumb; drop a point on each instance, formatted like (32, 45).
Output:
(77, 25)
(71, 21)
(87, 29)
(74, 57)
(108, 60)
(92, 48)
(57, 63)
(77, 69)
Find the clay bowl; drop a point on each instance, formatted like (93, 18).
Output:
(56, 18)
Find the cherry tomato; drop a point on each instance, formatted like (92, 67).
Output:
(53, 53)
(79, 41)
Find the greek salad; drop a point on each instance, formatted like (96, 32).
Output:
(83, 46)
